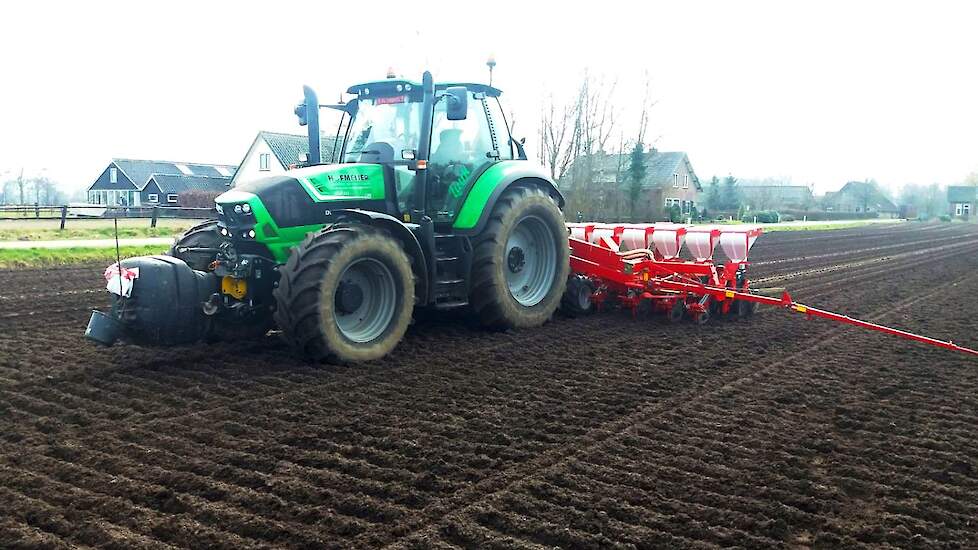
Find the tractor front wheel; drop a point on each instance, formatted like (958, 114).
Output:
(346, 293)
(520, 261)
(198, 245)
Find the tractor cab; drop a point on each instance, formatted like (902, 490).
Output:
(433, 150)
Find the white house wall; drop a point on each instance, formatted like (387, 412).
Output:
(250, 166)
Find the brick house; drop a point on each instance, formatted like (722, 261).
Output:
(669, 182)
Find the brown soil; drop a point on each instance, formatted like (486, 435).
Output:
(586, 433)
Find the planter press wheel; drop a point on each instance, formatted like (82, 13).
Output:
(677, 311)
(743, 308)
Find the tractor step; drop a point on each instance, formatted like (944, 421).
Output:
(453, 260)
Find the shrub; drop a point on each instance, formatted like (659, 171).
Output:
(198, 199)
(945, 218)
(762, 216)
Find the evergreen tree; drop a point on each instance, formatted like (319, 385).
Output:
(713, 195)
(636, 176)
(731, 197)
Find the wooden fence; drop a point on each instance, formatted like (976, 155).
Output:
(66, 212)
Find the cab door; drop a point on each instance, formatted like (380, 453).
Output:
(460, 151)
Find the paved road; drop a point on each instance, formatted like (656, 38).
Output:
(87, 243)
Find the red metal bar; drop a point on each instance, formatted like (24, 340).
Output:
(801, 308)
(786, 302)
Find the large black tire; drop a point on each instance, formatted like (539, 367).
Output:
(204, 235)
(532, 217)
(331, 270)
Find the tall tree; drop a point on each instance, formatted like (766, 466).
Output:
(730, 198)
(713, 201)
(636, 177)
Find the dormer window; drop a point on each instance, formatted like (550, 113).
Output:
(113, 175)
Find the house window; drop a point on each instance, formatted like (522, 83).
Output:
(172, 197)
(966, 209)
(113, 175)
(153, 197)
(263, 161)
(670, 202)
(675, 181)
(686, 181)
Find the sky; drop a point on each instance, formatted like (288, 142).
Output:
(819, 93)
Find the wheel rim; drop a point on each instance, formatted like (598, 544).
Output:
(365, 300)
(584, 298)
(531, 261)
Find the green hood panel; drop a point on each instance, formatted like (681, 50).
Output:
(337, 182)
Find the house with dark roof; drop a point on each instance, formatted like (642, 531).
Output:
(133, 182)
(669, 182)
(860, 197)
(776, 197)
(962, 200)
(272, 153)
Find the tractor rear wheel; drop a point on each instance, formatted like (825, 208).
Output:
(198, 245)
(346, 293)
(521, 261)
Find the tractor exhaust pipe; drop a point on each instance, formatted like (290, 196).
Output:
(308, 113)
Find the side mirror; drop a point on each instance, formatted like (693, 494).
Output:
(457, 107)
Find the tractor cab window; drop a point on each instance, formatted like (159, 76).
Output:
(382, 128)
(460, 149)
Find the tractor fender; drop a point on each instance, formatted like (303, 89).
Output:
(493, 182)
(401, 232)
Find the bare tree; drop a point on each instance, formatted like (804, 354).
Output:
(20, 186)
(574, 135)
(555, 132)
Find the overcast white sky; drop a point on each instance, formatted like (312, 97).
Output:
(823, 92)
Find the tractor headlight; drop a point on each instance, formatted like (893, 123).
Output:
(237, 209)
(246, 208)
(224, 231)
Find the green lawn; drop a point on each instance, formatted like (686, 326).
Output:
(818, 227)
(48, 234)
(51, 257)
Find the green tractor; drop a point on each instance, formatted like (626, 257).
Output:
(431, 203)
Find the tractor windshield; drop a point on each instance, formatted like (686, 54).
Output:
(382, 128)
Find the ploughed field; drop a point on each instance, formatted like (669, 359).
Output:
(599, 431)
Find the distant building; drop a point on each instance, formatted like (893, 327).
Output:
(132, 182)
(669, 182)
(272, 153)
(860, 197)
(776, 197)
(962, 200)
